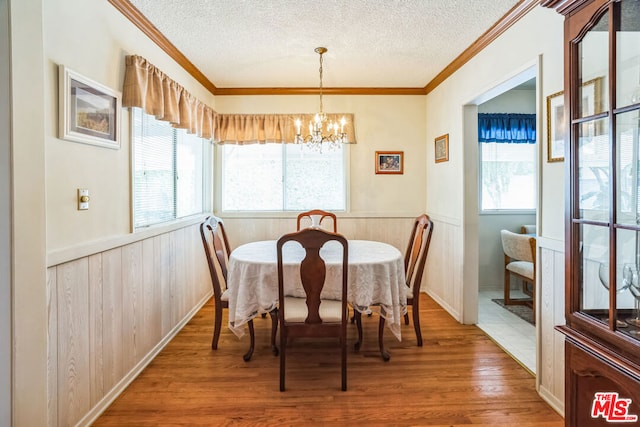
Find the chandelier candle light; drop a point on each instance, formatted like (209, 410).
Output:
(335, 131)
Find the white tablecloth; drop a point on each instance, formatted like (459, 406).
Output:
(376, 279)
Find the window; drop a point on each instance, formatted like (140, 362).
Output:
(282, 177)
(508, 176)
(507, 154)
(167, 171)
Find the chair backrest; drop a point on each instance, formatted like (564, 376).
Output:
(528, 229)
(518, 247)
(216, 249)
(416, 255)
(313, 270)
(315, 217)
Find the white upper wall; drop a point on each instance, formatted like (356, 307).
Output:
(382, 123)
(538, 34)
(92, 38)
(521, 101)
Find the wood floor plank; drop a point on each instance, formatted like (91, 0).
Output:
(458, 378)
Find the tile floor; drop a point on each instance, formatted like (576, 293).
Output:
(514, 335)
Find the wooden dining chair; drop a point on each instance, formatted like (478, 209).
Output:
(216, 249)
(312, 316)
(315, 217)
(415, 259)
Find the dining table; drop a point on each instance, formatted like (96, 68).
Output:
(376, 280)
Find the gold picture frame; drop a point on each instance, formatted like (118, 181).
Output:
(590, 103)
(442, 148)
(390, 162)
(555, 127)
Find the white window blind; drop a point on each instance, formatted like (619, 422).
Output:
(508, 176)
(167, 171)
(282, 177)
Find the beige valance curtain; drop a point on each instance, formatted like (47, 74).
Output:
(146, 87)
(262, 128)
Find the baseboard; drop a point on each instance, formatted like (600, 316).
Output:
(554, 402)
(454, 313)
(104, 403)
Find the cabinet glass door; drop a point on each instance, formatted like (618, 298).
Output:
(605, 121)
(594, 177)
(627, 124)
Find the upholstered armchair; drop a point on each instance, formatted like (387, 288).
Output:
(520, 262)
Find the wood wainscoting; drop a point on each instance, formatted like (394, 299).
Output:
(111, 312)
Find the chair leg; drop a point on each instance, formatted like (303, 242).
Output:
(507, 287)
(283, 346)
(217, 325)
(343, 344)
(274, 329)
(415, 312)
(406, 315)
(252, 336)
(384, 353)
(358, 320)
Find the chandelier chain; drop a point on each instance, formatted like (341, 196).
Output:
(322, 132)
(321, 109)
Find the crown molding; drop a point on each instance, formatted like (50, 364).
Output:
(325, 91)
(141, 21)
(510, 18)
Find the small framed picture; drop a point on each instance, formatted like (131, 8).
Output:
(390, 162)
(442, 148)
(88, 111)
(555, 127)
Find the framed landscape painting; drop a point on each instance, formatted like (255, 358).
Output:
(88, 111)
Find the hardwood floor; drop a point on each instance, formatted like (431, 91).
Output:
(459, 377)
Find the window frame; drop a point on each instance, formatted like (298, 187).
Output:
(523, 211)
(218, 189)
(207, 162)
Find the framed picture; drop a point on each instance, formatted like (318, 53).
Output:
(442, 148)
(88, 111)
(390, 162)
(555, 127)
(590, 104)
(591, 94)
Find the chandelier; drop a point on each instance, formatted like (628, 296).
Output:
(334, 131)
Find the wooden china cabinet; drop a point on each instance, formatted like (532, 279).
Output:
(602, 285)
(602, 260)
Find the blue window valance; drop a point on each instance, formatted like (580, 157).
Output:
(507, 128)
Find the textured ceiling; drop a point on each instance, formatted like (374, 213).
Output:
(372, 43)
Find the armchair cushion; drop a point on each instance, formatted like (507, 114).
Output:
(523, 268)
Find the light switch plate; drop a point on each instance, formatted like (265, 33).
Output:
(83, 199)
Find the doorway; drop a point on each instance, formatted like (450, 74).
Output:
(518, 94)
